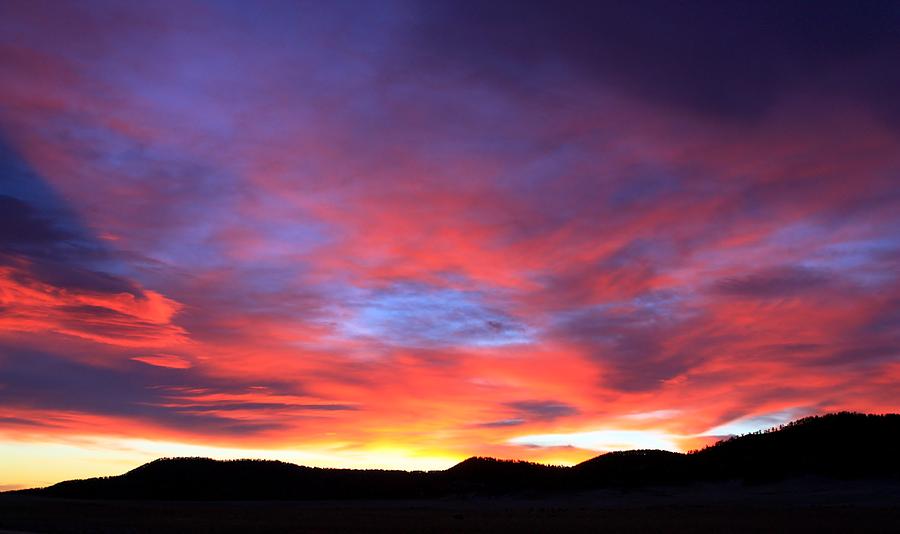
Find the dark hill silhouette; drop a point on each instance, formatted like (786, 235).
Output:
(206, 479)
(492, 476)
(632, 468)
(843, 445)
(838, 446)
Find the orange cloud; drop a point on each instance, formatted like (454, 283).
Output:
(120, 319)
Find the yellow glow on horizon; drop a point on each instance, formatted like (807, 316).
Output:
(41, 460)
(42, 463)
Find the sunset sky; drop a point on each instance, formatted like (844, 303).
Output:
(401, 233)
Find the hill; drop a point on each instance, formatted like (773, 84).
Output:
(843, 445)
(836, 446)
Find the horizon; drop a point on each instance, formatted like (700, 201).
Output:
(712, 471)
(723, 439)
(402, 233)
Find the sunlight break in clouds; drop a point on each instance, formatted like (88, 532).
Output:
(601, 440)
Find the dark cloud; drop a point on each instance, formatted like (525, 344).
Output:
(542, 410)
(723, 58)
(61, 274)
(87, 311)
(632, 342)
(502, 423)
(41, 380)
(886, 318)
(19, 421)
(35, 220)
(786, 281)
(20, 225)
(532, 410)
(226, 407)
(862, 355)
(40, 235)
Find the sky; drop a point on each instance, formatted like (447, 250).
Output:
(397, 234)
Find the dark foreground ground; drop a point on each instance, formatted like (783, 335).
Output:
(806, 506)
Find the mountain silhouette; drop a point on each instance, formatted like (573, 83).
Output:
(836, 446)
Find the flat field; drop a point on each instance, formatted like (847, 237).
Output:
(794, 507)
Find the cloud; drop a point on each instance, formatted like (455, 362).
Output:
(153, 394)
(777, 282)
(39, 229)
(164, 360)
(53, 272)
(414, 315)
(655, 414)
(22, 421)
(730, 60)
(633, 342)
(746, 425)
(542, 410)
(601, 440)
(22, 226)
(502, 423)
(112, 318)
